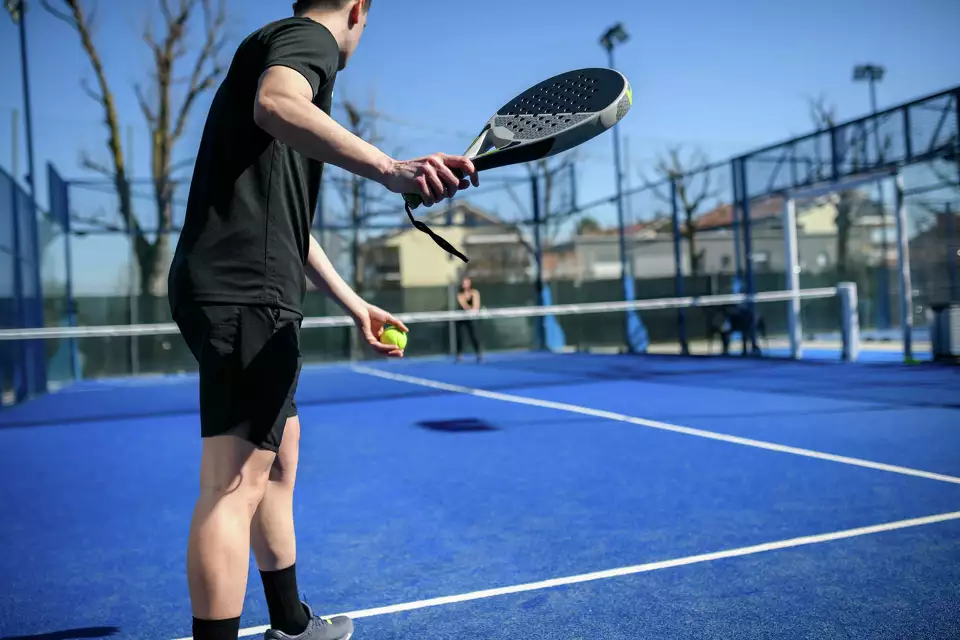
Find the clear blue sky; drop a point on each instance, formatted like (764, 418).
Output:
(721, 76)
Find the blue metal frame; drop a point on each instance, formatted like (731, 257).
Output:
(953, 254)
(20, 373)
(549, 334)
(59, 197)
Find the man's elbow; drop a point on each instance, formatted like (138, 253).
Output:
(267, 111)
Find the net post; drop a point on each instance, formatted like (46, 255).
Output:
(849, 321)
(793, 275)
(903, 264)
(678, 267)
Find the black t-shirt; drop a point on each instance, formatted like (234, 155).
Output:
(252, 199)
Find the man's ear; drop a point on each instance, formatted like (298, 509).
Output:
(356, 12)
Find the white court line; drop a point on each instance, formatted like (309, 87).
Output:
(654, 424)
(640, 568)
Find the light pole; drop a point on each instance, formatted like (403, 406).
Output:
(872, 74)
(617, 35)
(611, 38)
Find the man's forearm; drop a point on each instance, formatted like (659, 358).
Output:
(296, 122)
(324, 276)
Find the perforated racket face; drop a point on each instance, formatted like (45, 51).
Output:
(549, 118)
(559, 103)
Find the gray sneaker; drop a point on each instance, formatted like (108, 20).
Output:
(336, 628)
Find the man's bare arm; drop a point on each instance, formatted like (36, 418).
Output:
(369, 319)
(284, 108)
(321, 272)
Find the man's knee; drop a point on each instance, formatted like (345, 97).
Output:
(284, 468)
(235, 469)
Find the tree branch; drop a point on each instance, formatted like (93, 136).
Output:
(59, 15)
(517, 201)
(79, 22)
(87, 162)
(183, 164)
(96, 221)
(201, 82)
(145, 106)
(653, 187)
(96, 97)
(824, 116)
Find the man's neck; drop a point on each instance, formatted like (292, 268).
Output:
(331, 21)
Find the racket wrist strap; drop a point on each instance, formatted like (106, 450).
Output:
(421, 226)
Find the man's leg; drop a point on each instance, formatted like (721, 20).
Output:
(233, 478)
(249, 364)
(273, 540)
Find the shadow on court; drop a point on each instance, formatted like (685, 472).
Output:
(461, 425)
(70, 634)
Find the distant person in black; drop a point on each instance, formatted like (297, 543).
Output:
(728, 320)
(469, 300)
(236, 289)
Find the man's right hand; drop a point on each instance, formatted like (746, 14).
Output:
(431, 177)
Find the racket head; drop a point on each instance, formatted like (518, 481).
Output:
(558, 114)
(551, 117)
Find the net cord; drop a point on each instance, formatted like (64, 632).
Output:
(155, 329)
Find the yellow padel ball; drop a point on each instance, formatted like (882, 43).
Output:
(392, 335)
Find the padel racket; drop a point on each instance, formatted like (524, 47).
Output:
(548, 118)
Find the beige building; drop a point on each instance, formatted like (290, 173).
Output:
(409, 258)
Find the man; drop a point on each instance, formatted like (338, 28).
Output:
(236, 286)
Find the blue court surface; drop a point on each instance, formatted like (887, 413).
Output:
(532, 496)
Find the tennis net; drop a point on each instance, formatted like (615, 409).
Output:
(824, 319)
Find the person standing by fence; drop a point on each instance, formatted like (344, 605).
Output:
(469, 300)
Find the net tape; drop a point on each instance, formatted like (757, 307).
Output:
(109, 331)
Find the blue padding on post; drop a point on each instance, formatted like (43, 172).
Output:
(637, 338)
(553, 336)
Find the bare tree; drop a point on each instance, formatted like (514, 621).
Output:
(694, 189)
(554, 172)
(351, 188)
(824, 118)
(166, 116)
(553, 215)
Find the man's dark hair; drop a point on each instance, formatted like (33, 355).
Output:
(302, 6)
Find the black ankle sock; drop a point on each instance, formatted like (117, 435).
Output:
(216, 629)
(283, 600)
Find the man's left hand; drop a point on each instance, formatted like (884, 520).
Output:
(371, 321)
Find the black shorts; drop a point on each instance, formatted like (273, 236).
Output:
(250, 363)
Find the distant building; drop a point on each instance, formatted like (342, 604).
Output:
(595, 255)
(407, 258)
(502, 252)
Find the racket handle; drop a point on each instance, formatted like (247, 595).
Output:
(413, 200)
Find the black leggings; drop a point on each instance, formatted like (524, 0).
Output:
(467, 326)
